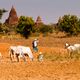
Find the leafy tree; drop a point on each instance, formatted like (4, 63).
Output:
(46, 29)
(1, 12)
(36, 28)
(5, 28)
(69, 24)
(25, 26)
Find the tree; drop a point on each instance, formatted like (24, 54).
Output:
(1, 12)
(25, 26)
(5, 28)
(69, 24)
(46, 29)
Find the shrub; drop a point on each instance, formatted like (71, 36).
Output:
(69, 24)
(46, 29)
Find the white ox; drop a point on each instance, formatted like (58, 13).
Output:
(20, 51)
(77, 46)
(12, 52)
(71, 49)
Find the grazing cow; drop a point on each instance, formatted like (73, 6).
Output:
(21, 51)
(78, 47)
(71, 49)
(25, 51)
(13, 52)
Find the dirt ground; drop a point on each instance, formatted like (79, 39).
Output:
(35, 70)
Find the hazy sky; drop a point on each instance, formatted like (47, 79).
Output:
(49, 10)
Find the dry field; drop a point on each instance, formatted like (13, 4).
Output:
(55, 66)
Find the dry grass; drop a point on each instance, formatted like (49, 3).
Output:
(56, 64)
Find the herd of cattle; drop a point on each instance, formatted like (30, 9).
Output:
(23, 51)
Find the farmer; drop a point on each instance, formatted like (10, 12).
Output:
(35, 45)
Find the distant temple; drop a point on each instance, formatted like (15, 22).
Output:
(12, 19)
(38, 21)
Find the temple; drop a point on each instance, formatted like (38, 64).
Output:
(38, 21)
(12, 19)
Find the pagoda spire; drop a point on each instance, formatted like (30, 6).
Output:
(12, 19)
(38, 21)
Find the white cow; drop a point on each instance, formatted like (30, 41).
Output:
(25, 51)
(78, 47)
(13, 52)
(71, 49)
(20, 51)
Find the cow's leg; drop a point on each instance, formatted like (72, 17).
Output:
(11, 54)
(23, 56)
(17, 56)
(71, 55)
(10, 57)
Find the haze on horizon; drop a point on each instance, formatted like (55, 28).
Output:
(49, 10)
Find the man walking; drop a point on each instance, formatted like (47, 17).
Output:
(35, 45)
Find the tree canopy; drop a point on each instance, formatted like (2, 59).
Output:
(69, 24)
(1, 12)
(25, 25)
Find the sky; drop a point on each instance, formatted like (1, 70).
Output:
(48, 10)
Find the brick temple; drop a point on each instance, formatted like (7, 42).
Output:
(13, 18)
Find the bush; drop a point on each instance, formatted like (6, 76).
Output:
(69, 24)
(46, 29)
(24, 26)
